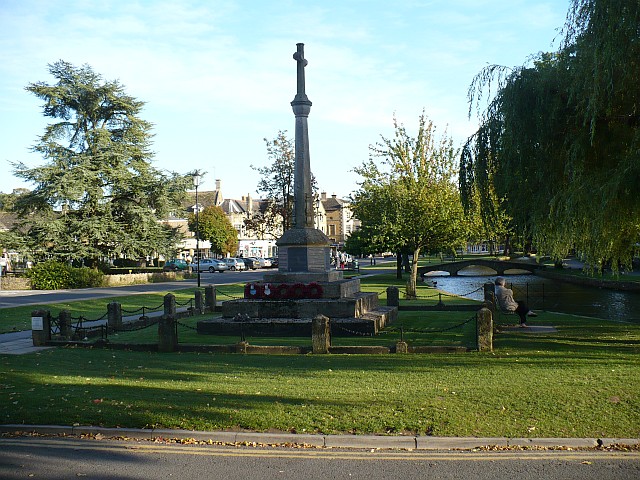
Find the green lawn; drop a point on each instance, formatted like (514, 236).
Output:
(583, 380)
(19, 318)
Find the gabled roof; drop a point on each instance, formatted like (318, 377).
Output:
(332, 204)
(205, 199)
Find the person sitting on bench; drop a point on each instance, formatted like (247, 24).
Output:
(506, 302)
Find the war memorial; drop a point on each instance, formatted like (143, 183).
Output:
(305, 287)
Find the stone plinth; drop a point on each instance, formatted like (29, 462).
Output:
(354, 306)
(304, 256)
(282, 327)
(303, 277)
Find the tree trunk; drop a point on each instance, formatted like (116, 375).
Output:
(399, 266)
(507, 246)
(405, 263)
(411, 283)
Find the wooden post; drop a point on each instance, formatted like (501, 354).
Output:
(65, 324)
(167, 335)
(320, 334)
(170, 305)
(210, 298)
(490, 296)
(199, 303)
(484, 330)
(393, 297)
(114, 316)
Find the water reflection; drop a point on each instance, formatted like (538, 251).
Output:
(544, 294)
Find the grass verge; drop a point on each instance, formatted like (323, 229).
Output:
(557, 386)
(581, 381)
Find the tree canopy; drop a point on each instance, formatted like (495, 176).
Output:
(97, 182)
(410, 200)
(213, 225)
(558, 147)
(276, 184)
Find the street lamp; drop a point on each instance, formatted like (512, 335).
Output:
(196, 183)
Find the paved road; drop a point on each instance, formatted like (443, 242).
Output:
(65, 458)
(18, 298)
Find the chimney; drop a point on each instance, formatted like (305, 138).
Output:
(218, 184)
(249, 203)
(323, 196)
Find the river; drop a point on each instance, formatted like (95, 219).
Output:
(544, 294)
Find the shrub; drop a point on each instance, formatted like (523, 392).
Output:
(85, 277)
(49, 275)
(53, 275)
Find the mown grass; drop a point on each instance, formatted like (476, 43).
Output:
(583, 380)
(19, 318)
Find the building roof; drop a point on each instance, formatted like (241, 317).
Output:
(333, 203)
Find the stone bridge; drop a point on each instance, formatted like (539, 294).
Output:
(499, 266)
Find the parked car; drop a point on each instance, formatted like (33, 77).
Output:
(274, 262)
(262, 262)
(213, 265)
(249, 263)
(175, 265)
(235, 264)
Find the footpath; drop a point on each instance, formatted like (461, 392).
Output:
(257, 439)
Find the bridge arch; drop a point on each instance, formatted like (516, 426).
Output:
(499, 266)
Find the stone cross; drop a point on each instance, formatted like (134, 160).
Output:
(302, 62)
(302, 194)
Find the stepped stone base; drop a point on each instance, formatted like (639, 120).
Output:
(303, 277)
(369, 324)
(354, 306)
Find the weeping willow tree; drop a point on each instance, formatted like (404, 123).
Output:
(558, 148)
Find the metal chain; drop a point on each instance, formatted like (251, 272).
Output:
(226, 294)
(85, 319)
(118, 330)
(444, 294)
(436, 331)
(187, 326)
(352, 332)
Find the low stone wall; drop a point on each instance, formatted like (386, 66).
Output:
(9, 282)
(142, 278)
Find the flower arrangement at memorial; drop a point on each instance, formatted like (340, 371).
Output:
(314, 290)
(284, 291)
(297, 290)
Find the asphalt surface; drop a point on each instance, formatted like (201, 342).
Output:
(102, 458)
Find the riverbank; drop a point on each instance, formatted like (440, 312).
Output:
(582, 278)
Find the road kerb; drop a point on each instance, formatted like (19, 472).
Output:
(370, 441)
(553, 442)
(462, 443)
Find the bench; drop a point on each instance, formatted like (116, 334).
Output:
(497, 308)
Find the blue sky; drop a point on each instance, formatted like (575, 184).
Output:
(218, 76)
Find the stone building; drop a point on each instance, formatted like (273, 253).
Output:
(340, 222)
(332, 216)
